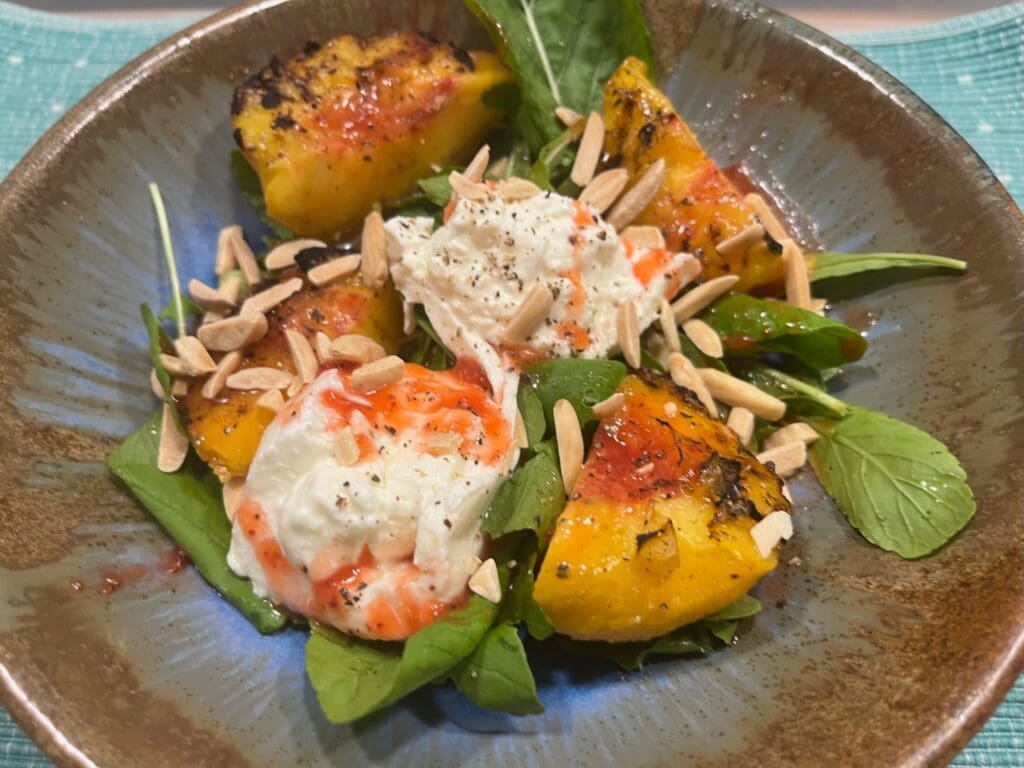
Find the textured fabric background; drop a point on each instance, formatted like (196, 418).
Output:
(970, 69)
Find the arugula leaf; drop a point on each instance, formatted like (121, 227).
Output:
(427, 348)
(531, 499)
(189, 307)
(248, 184)
(744, 608)
(830, 264)
(899, 486)
(520, 603)
(750, 326)
(562, 51)
(497, 676)
(554, 163)
(188, 505)
(801, 398)
(353, 677)
(582, 382)
(437, 188)
(532, 411)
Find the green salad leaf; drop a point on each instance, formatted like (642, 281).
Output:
(750, 326)
(802, 397)
(530, 499)
(562, 52)
(248, 184)
(829, 265)
(520, 603)
(532, 411)
(582, 382)
(899, 486)
(188, 505)
(497, 676)
(353, 677)
(437, 189)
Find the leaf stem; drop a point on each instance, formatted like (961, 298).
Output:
(833, 404)
(172, 267)
(531, 23)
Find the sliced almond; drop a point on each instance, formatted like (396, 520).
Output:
(669, 329)
(303, 356)
(741, 421)
(605, 188)
(346, 448)
(645, 236)
(786, 494)
(322, 346)
(283, 255)
(259, 378)
(688, 272)
(179, 387)
(733, 391)
(215, 383)
(231, 494)
(705, 293)
(233, 333)
(354, 348)
(569, 438)
(232, 249)
(609, 405)
(742, 240)
(332, 270)
(767, 216)
(467, 188)
(518, 189)
(684, 374)
(475, 170)
(627, 327)
(294, 387)
(704, 337)
(231, 287)
(379, 373)
(208, 298)
(798, 285)
(193, 356)
(570, 117)
(224, 261)
(772, 529)
(272, 400)
(212, 317)
(797, 431)
(173, 446)
(785, 459)
(172, 364)
(374, 264)
(530, 314)
(818, 306)
(589, 151)
(520, 438)
(485, 581)
(444, 444)
(264, 301)
(639, 196)
(155, 385)
(499, 168)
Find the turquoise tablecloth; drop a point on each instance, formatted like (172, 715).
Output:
(971, 69)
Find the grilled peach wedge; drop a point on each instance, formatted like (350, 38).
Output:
(697, 207)
(656, 534)
(356, 122)
(226, 431)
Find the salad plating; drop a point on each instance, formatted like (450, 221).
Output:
(555, 390)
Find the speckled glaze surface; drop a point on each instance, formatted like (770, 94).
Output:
(860, 659)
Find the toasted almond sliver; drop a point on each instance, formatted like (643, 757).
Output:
(227, 365)
(346, 448)
(693, 302)
(444, 444)
(211, 317)
(605, 188)
(646, 236)
(173, 446)
(224, 260)
(408, 318)
(569, 438)
(639, 196)
(329, 271)
(259, 378)
(354, 348)
(475, 170)
(684, 374)
(172, 364)
(704, 337)
(798, 431)
(589, 151)
(231, 494)
(374, 263)
(231, 287)
(232, 249)
(322, 346)
(485, 581)
(818, 306)
(209, 298)
(155, 385)
(303, 356)
(741, 421)
(264, 301)
(786, 459)
(193, 356)
(294, 387)
(518, 189)
(742, 240)
(771, 223)
(179, 387)
(798, 285)
(627, 327)
(499, 168)
(669, 329)
(271, 400)
(233, 332)
(283, 255)
(570, 117)
(609, 405)
(733, 391)
(786, 494)
(387, 370)
(521, 439)
(467, 188)
(772, 529)
(530, 314)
